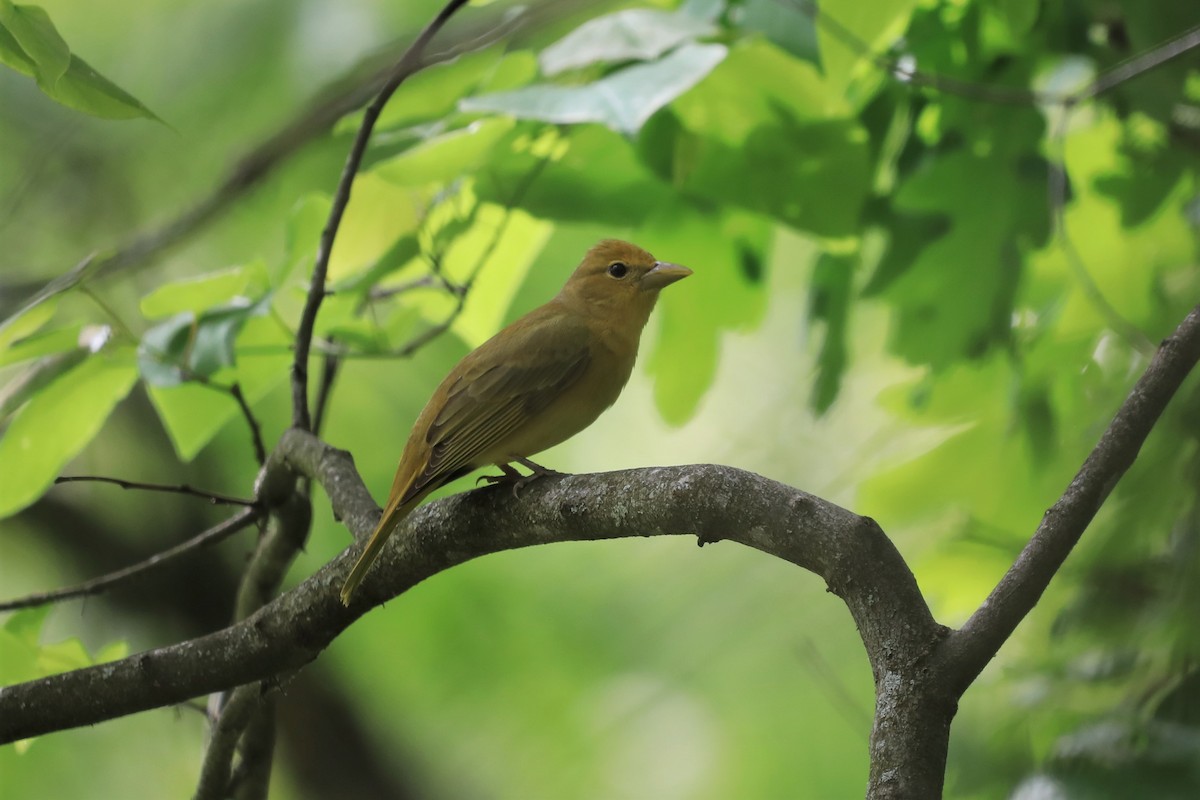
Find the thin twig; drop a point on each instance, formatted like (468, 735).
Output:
(1131, 68)
(330, 367)
(408, 64)
(260, 449)
(216, 498)
(98, 585)
(1003, 95)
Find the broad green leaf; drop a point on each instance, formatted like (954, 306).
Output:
(57, 423)
(197, 293)
(31, 28)
(432, 93)
(764, 132)
(402, 251)
(188, 345)
(12, 56)
(443, 158)
(598, 179)
(193, 414)
(301, 235)
(880, 24)
(502, 268)
(939, 320)
(722, 250)
(43, 343)
(830, 303)
(164, 349)
(84, 89)
(23, 657)
(26, 322)
(785, 24)
(635, 34)
(622, 101)
(29, 43)
(758, 84)
(35, 377)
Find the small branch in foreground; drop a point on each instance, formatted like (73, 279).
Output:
(409, 63)
(215, 498)
(98, 585)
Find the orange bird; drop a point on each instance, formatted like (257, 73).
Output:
(534, 384)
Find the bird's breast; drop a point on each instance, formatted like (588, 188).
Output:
(575, 409)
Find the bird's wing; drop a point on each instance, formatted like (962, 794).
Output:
(500, 390)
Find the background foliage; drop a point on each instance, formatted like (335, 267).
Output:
(921, 301)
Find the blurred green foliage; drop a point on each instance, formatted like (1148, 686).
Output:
(893, 307)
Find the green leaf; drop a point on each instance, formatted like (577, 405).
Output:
(598, 179)
(31, 28)
(30, 44)
(693, 314)
(26, 322)
(763, 132)
(303, 232)
(622, 101)
(403, 250)
(942, 320)
(84, 89)
(44, 343)
(57, 423)
(441, 159)
(635, 34)
(197, 293)
(193, 414)
(432, 93)
(829, 302)
(784, 24)
(11, 54)
(185, 345)
(35, 377)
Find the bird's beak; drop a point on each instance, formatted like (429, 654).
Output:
(664, 273)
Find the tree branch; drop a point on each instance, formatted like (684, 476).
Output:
(216, 498)
(97, 585)
(712, 502)
(409, 63)
(968, 650)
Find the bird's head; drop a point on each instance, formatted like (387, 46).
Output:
(617, 276)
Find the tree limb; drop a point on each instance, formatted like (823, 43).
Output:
(712, 502)
(969, 649)
(410, 62)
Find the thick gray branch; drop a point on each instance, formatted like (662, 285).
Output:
(712, 502)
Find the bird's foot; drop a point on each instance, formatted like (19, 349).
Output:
(516, 479)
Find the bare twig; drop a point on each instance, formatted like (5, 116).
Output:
(98, 585)
(216, 498)
(408, 64)
(260, 450)
(330, 367)
(969, 649)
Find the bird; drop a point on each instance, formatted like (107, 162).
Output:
(536, 383)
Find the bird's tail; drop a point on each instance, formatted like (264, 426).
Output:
(388, 523)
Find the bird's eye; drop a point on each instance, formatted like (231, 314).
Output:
(617, 270)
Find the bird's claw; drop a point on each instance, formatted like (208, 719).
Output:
(516, 479)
